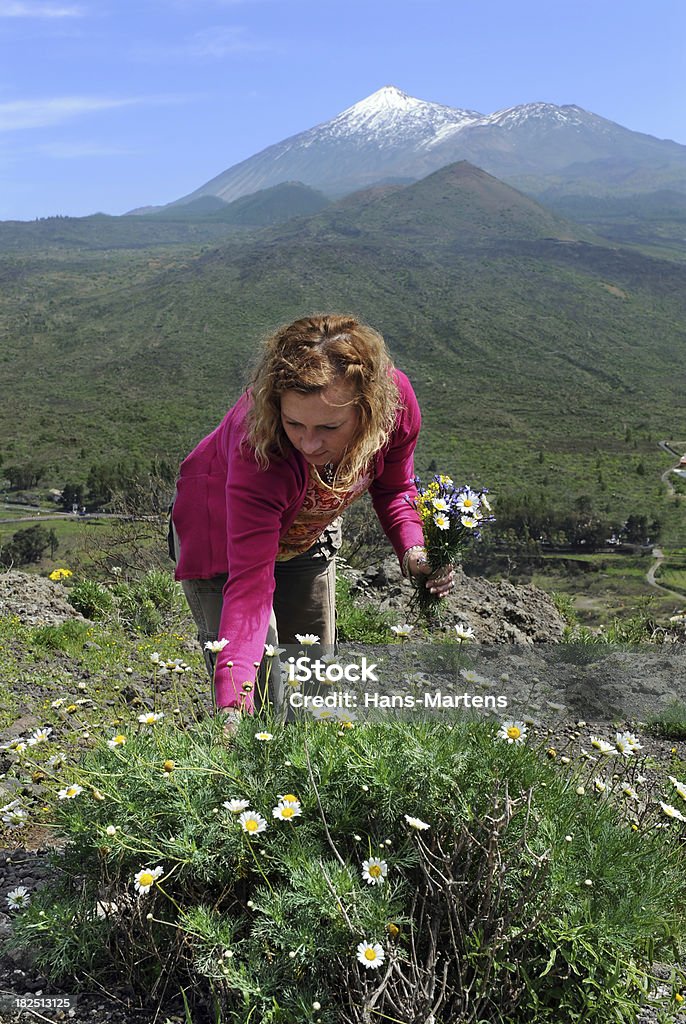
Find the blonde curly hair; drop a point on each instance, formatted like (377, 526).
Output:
(308, 356)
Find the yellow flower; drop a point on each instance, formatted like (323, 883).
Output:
(169, 766)
(60, 574)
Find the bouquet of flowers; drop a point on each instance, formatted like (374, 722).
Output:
(451, 518)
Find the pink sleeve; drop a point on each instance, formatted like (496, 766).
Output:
(255, 505)
(395, 483)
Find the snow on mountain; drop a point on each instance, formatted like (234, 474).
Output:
(391, 117)
(393, 136)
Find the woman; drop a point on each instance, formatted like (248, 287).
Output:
(256, 512)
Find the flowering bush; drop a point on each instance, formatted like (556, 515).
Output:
(443, 870)
(451, 518)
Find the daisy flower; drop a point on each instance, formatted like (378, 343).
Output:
(672, 812)
(19, 898)
(627, 743)
(370, 954)
(442, 521)
(323, 714)
(629, 791)
(215, 646)
(151, 717)
(70, 792)
(345, 716)
(469, 522)
(679, 787)
(602, 745)
(402, 630)
(272, 652)
(286, 810)
(463, 631)
(288, 798)
(440, 504)
(57, 703)
(416, 823)
(467, 501)
(15, 817)
(264, 737)
(374, 871)
(117, 741)
(40, 735)
(144, 879)
(236, 806)
(599, 786)
(512, 732)
(252, 822)
(307, 639)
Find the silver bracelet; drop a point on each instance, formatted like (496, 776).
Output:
(406, 558)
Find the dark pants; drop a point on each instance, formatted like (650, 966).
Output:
(304, 602)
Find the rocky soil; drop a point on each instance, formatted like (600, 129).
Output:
(517, 653)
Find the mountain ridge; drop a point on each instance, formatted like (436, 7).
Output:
(391, 134)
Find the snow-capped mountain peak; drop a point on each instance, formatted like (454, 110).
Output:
(390, 117)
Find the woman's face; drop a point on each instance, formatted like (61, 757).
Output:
(320, 426)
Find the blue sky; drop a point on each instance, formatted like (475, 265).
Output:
(106, 105)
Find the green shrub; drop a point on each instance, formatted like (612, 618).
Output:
(670, 722)
(148, 604)
(68, 636)
(91, 599)
(520, 901)
(356, 621)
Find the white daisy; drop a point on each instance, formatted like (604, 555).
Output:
(416, 823)
(264, 737)
(15, 818)
(629, 791)
(252, 822)
(215, 646)
(402, 630)
(370, 954)
(57, 703)
(463, 631)
(680, 787)
(151, 717)
(512, 732)
(287, 810)
(323, 714)
(599, 786)
(603, 746)
(273, 652)
(469, 522)
(440, 504)
(307, 639)
(467, 501)
(672, 812)
(236, 806)
(442, 521)
(70, 792)
(19, 898)
(627, 744)
(144, 879)
(117, 741)
(374, 871)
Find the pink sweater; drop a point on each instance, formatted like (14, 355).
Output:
(230, 516)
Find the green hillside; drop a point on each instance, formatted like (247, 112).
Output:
(542, 360)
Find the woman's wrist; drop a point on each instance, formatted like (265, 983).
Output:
(415, 549)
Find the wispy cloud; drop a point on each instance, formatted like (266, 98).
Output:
(81, 150)
(217, 42)
(42, 113)
(18, 9)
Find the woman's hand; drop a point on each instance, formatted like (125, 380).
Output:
(233, 717)
(439, 583)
